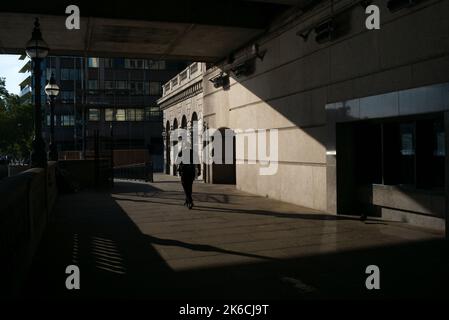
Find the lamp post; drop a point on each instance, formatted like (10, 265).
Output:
(36, 49)
(52, 91)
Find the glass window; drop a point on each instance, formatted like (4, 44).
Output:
(92, 62)
(109, 114)
(407, 139)
(92, 84)
(108, 63)
(156, 65)
(132, 87)
(49, 118)
(130, 115)
(108, 85)
(65, 74)
(155, 88)
(154, 112)
(67, 120)
(49, 72)
(136, 87)
(140, 114)
(66, 96)
(439, 145)
(94, 114)
(140, 87)
(146, 88)
(121, 85)
(70, 74)
(120, 115)
(130, 63)
(119, 63)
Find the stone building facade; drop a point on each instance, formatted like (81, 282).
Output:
(182, 105)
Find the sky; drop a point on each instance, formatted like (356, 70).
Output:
(9, 69)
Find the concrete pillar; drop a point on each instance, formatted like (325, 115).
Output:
(331, 159)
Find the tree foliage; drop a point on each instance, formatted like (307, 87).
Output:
(16, 125)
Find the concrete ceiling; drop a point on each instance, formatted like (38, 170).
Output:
(202, 30)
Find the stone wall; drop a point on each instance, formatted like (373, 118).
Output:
(292, 85)
(26, 204)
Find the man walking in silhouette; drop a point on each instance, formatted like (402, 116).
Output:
(186, 169)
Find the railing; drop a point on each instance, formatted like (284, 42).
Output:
(140, 171)
(192, 71)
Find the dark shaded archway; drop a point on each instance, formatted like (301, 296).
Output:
(175, 142)
(167, 148)
(184, 122)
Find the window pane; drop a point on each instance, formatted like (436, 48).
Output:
(407, 139)
(65, 74)
(92, 62)
(120, 115)
(67, 120)
(92, 84)
(108, 63)
(108, 114)
(121, 84)
(66, 96)
(94, 114)
(140, 114)
(155, 113)
(152, 65)
(109, 85)
(407, 159)
(119, 63)
(155, 88)
(49, 72)
(130, 115)
(440, 146)
(49, 118)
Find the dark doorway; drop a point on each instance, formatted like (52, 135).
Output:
(167, 148)
(175, 142)
(225, 173)
(359, 166)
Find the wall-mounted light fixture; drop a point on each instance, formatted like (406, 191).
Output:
(396, 5)
(245, 63)
(325, 31)
(334, 25)
(257, 53)
(220, 80)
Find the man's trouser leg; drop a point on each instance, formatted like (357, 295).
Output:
(184, 183)
(189, 190)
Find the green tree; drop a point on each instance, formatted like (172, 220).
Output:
(16, 124)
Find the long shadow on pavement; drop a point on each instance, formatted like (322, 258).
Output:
(117, 260)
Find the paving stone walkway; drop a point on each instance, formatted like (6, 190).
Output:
(139, 241)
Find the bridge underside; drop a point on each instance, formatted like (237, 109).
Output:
(191, 30)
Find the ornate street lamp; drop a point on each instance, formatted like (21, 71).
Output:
(36, 49)
(52, 91)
